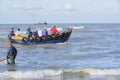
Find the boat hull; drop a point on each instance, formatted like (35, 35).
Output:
(58, 38)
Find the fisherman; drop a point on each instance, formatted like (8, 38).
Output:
(54, 30)
(29, 31)
(11, 33)
(12, 53)
(44, 32)
(35, 33)
(18, 33)
(39, 32)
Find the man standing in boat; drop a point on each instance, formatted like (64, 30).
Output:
(39, 32)
(11, 33)
(44, 32)
(54, 30)
(29, 31)
(18, 33)
(12, 53)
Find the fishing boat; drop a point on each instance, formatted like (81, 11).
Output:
(42, 23)
(60, 37)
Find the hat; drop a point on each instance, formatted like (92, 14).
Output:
(37, 28)
(45, 27)
(12, 28)
(18, 28)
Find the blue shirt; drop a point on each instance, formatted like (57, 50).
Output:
(44, 32)
(36, 33)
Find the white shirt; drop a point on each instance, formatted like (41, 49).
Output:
(18, 33)
(39, 32)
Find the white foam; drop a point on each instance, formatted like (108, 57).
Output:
(49, 73)
(97, 72)
(77, 27)
(62, 43)
(2, 33)
(31, 74)
(102, 71)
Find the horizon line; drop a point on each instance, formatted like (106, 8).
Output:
(66, 23)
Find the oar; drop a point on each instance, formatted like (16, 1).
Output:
(3, 59)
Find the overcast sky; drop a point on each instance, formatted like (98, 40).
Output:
(59, 11)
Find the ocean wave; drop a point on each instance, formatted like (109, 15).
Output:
(51, 73)
(98, 72)
(6, 33)
(31, 74)
(77, 27)
(3, 39)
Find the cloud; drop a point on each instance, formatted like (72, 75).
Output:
(66, 7)
(56, 8)
(26, 7)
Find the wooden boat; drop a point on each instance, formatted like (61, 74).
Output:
(42, 23)
(58, 38)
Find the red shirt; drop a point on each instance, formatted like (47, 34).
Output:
(53, 31)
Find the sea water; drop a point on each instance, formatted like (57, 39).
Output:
(91, 53)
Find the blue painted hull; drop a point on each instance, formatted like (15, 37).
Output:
(47, 39)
